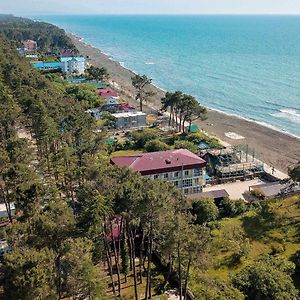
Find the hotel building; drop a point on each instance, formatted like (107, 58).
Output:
(184, 169)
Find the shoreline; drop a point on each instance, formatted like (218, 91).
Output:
(274, 147)
(122, 64)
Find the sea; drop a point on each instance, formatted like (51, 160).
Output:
(247, 66)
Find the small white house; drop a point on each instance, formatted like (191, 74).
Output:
(73, 65)
(128, 120)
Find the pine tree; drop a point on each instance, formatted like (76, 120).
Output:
(124, 254)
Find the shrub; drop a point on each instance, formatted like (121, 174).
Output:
(186, 145)
(141, 137)
(268, 278)
(210, 288)
(172, 139)
(198, 137)
(205, 210)
(231, 208)
(294, 172)
(85, 94)
(277, 248)
(259, 194)
(255, 205)
(156, 145)
(108, 120)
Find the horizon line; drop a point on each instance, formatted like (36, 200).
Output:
(157, 14)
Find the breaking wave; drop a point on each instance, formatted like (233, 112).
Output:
(288, 113)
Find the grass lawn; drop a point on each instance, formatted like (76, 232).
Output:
(127, 288)
(126, 152)
(275, 232)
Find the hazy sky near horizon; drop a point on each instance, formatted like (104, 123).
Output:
(36, 7)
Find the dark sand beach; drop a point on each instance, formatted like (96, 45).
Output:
(272, 147)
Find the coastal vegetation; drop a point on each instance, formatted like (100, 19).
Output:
(155, 139)
(86, 229)
(294, 172)
(99, 74)
(140, 83)
(49, 37)
(182, 108)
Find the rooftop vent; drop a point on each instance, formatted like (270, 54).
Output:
(168, 162)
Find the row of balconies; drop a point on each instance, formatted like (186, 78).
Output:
(172, 176)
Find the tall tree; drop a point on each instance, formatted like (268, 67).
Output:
(30, 274)
(81, 276)
(171, 102)
(195, 243)
(124, 254)
(182, 108)
(10, 114)
(140, 83)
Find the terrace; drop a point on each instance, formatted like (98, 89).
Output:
(234, 163)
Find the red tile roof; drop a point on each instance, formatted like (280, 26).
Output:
(125, 107)
(159, 162)
(107, 93)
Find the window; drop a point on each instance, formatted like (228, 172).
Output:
(156, 176)
(196, 181)
(176, 183)
(166, 175)
(187, 183)
(196, 189)
(176, 174)
(186, 191)
(198, 172)
(186, 173)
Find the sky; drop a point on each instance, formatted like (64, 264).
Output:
(37, 7)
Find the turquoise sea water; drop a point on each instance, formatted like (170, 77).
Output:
(243, 65)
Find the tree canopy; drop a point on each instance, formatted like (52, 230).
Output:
(46, 35)
(141, 84)
(268, 278)
(294, 172)
(182, 108)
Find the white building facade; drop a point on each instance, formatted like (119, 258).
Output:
(128, 120)
(190, 181)
(73, 65)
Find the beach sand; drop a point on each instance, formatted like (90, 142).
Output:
(272, 147)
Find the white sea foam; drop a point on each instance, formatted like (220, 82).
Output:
(282, 130)
(150, 63)
(288, 113)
